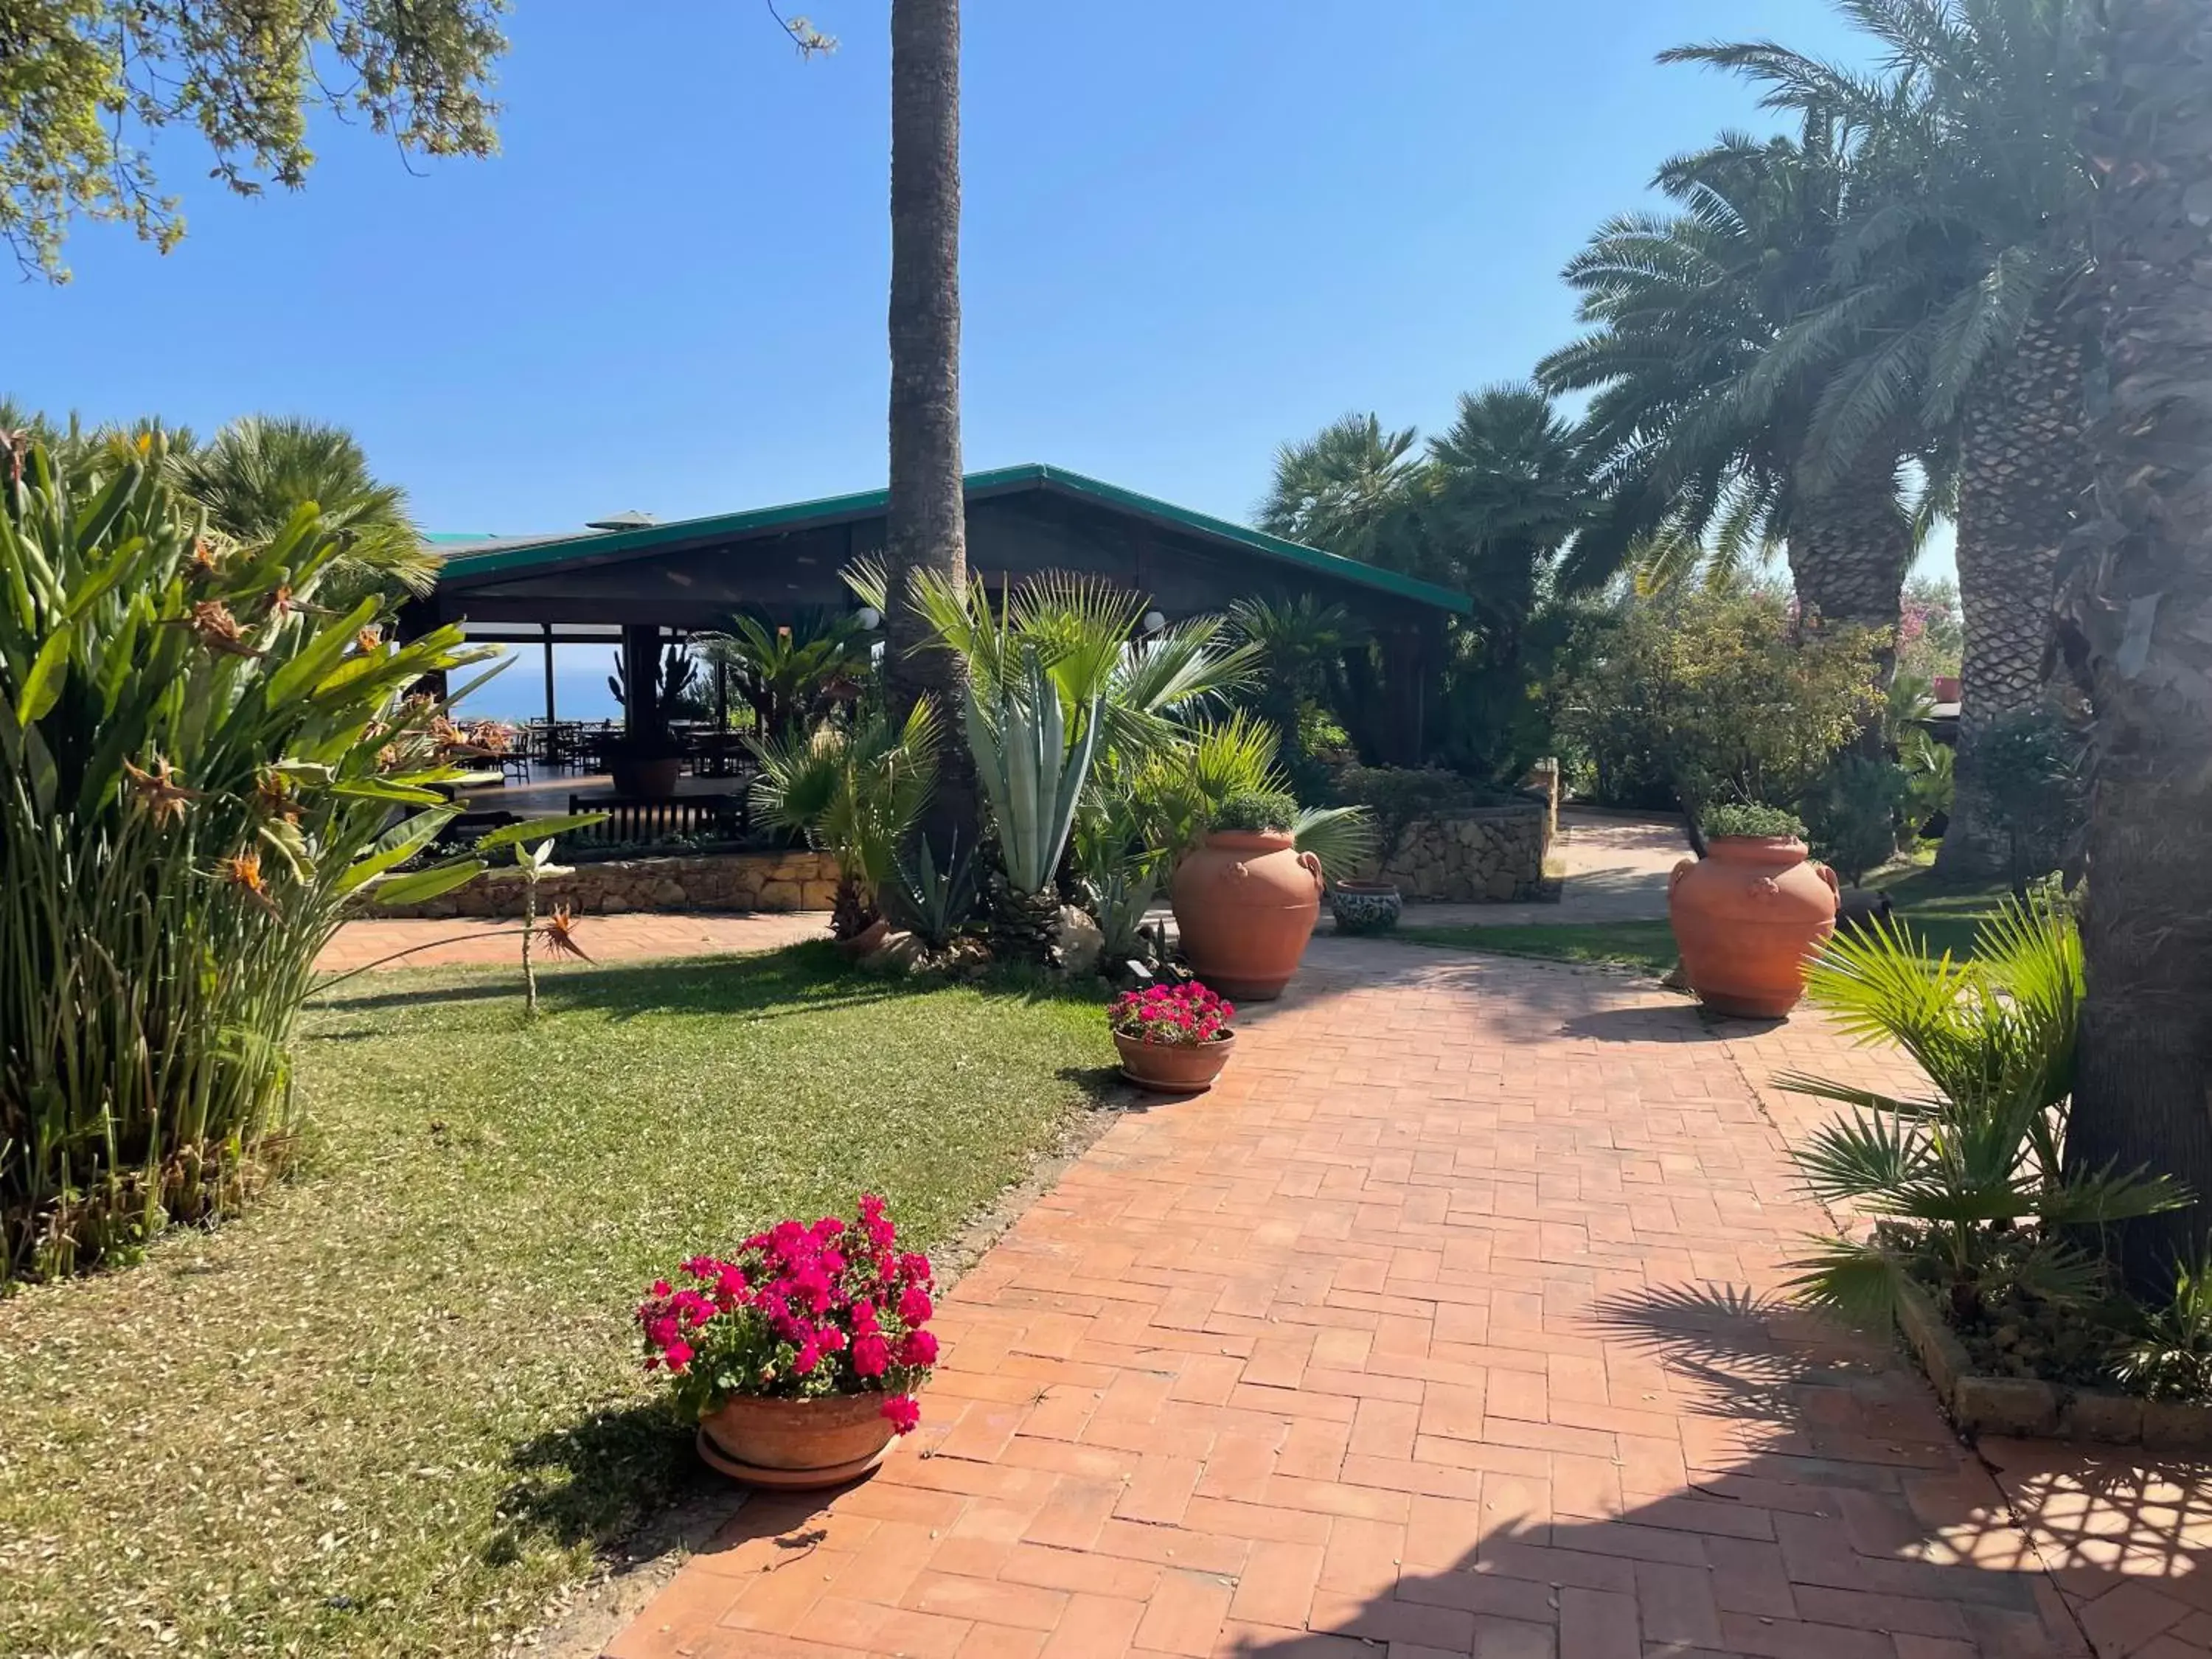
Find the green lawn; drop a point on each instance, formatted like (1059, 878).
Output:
(396, 1408)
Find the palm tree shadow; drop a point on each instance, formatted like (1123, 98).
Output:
(1826, 1508)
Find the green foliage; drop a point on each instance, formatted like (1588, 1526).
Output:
(1399, 795)
(1300, 645)
(1967, 1188)
(934, 905)
(1750, 819)
(854, 788)
(1341, 838)
(79, 80)
(1256, 810)
(1031, 771)
(260, 471)
(2031, 762)
(1854, 813)
(1932, 636)
(1930, 783)
(2170, 1356)
(790, 673)
(196, 767)
(1718, 692)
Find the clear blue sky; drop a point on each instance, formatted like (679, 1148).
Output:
(1192, 232)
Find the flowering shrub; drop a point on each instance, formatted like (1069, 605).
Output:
(799, 1313)
(1180, 1017)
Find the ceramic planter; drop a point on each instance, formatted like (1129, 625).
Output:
(645, 777)
(1172, 1069)
(1747, 917)
(1245, 903)
(1365, 906)
(796, 1444)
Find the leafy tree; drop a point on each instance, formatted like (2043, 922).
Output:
(1930, 637)
(79, 77)
(1704, 428)
(260, 472)
(2140, 617)
(1719, 692)
(1951, 286)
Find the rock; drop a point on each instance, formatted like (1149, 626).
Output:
(782, 896)
(668, 894)
(899, 953)
(1079, 941)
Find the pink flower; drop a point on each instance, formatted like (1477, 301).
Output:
(918, 1348)
(914, 1306)
(902, 1412)
(872, 1355)
(679, 1354)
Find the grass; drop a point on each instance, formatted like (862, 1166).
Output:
(397, 1409)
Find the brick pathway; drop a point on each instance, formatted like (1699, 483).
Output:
(1445, 1326)
(609, 939)
(1616, 870)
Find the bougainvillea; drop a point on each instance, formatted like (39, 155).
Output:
(1180, 1017)
(798, 1313)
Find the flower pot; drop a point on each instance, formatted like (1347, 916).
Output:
(1170, 1068)
(1747, 917)
(1365, 906)
(645, 777)
(796, 1444)
(1245, 903)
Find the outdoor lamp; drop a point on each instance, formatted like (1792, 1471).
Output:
(869, 617)
(1154, 621)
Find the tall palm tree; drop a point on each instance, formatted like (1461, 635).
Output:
(259, 470)
(1704, 431)
(1352, 488)
(1954, 276)
(2139, 620)
(926, 518)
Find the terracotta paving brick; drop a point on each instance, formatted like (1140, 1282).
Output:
(1448, 1324)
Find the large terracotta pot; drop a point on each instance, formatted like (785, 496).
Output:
(1170, 1069)
(645, 777)
(1747, 917)
(1245, 903)
(796, 1444)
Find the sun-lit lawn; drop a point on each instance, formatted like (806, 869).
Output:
(396, 1408)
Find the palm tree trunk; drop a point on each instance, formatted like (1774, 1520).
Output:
(1850, 547)
(2142, 626)
(2023, 474)
(926, 520)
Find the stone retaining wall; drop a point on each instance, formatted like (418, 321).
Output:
(1493, 854)
(706, 881)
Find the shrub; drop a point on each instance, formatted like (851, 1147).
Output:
(1178, 1017)
(1749, 819)
(1720, 693)
(1256, 810)
(799, 1313)
(1854, 814)
(196, 767)
(2029, 762)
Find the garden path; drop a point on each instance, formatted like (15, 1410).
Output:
(1445, 1325)
(1616, 870)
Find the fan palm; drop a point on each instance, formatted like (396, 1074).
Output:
(1701, 429)
(1972, 1184)
(854, 788)
(785, 673)
(1353, 488)
(258, 472)
(1953, 276)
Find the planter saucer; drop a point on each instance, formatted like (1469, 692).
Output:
(754, 1474)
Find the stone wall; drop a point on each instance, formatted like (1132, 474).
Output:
(1487, 854)
(706, 881)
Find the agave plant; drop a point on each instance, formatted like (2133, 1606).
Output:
(934, 904)
(199, 765)
(854, 788)
(1032, 772)
(1967, 1188)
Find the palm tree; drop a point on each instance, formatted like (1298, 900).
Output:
(1352, 488)
(785, 673)
(1954, 275)
(926, 518)
(2139, 620)
(260, 471)
(1704, 431)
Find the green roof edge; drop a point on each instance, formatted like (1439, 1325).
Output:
(620, 543)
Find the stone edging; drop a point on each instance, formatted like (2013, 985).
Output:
(2025, 1405)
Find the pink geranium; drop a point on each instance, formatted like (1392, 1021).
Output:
(797, 1312)
(1180, 1017)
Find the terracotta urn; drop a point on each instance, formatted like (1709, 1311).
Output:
(1747, 917)
(796, 1444)
(1245, 903)
(1170, 1068)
